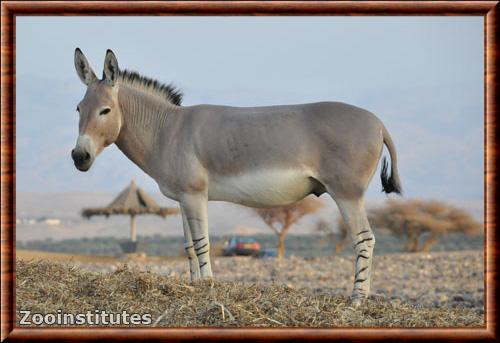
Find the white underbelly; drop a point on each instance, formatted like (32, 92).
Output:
(262, 188)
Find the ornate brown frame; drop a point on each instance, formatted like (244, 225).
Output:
(11, 9)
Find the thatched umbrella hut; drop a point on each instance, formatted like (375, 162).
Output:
(131, 201)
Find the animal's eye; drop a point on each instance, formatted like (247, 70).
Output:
(105, 111)
(78, 109)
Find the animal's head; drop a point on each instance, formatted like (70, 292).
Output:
(100, 115)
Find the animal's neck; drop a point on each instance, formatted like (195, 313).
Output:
(144, 117)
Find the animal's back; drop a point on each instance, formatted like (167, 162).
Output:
(229, 139)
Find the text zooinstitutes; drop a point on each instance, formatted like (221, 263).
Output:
(97, 317)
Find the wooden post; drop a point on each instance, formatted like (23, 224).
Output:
(133, 233)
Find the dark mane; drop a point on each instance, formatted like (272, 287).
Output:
(169, 92)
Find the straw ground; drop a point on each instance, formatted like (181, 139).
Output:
(46, 287)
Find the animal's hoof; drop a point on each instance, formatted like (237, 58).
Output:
(195, 278)
(357, 301)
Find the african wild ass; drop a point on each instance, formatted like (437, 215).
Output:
(255, 156)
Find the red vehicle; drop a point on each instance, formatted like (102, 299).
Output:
(243, 246)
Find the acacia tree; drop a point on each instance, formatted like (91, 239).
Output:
(412, 218)
(281, 219)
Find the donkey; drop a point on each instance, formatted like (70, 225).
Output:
(254, 156)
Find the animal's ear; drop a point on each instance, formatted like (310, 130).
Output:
(83, 68)
(110, 72)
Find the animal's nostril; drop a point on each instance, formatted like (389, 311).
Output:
(80, 157)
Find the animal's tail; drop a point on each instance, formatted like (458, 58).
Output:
(390, 183)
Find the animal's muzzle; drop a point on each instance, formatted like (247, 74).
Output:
(84, 153)
(81, 158)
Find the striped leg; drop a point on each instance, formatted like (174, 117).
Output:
(194, 268)
(194, 208)
(354, 215)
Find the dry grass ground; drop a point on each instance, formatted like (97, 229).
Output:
(48, 286)
(438, 279)
(62, 257)
(91, 259)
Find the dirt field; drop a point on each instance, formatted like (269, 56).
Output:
(412, 290)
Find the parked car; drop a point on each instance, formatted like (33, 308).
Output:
(245, 246)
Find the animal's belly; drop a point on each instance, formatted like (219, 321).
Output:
(261, 188)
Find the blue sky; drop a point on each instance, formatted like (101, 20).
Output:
(422, 76)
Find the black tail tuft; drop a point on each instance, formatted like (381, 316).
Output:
(389, 185)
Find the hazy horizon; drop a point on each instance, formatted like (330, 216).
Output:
(224, 217)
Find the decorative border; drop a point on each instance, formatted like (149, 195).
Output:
(11, 9)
